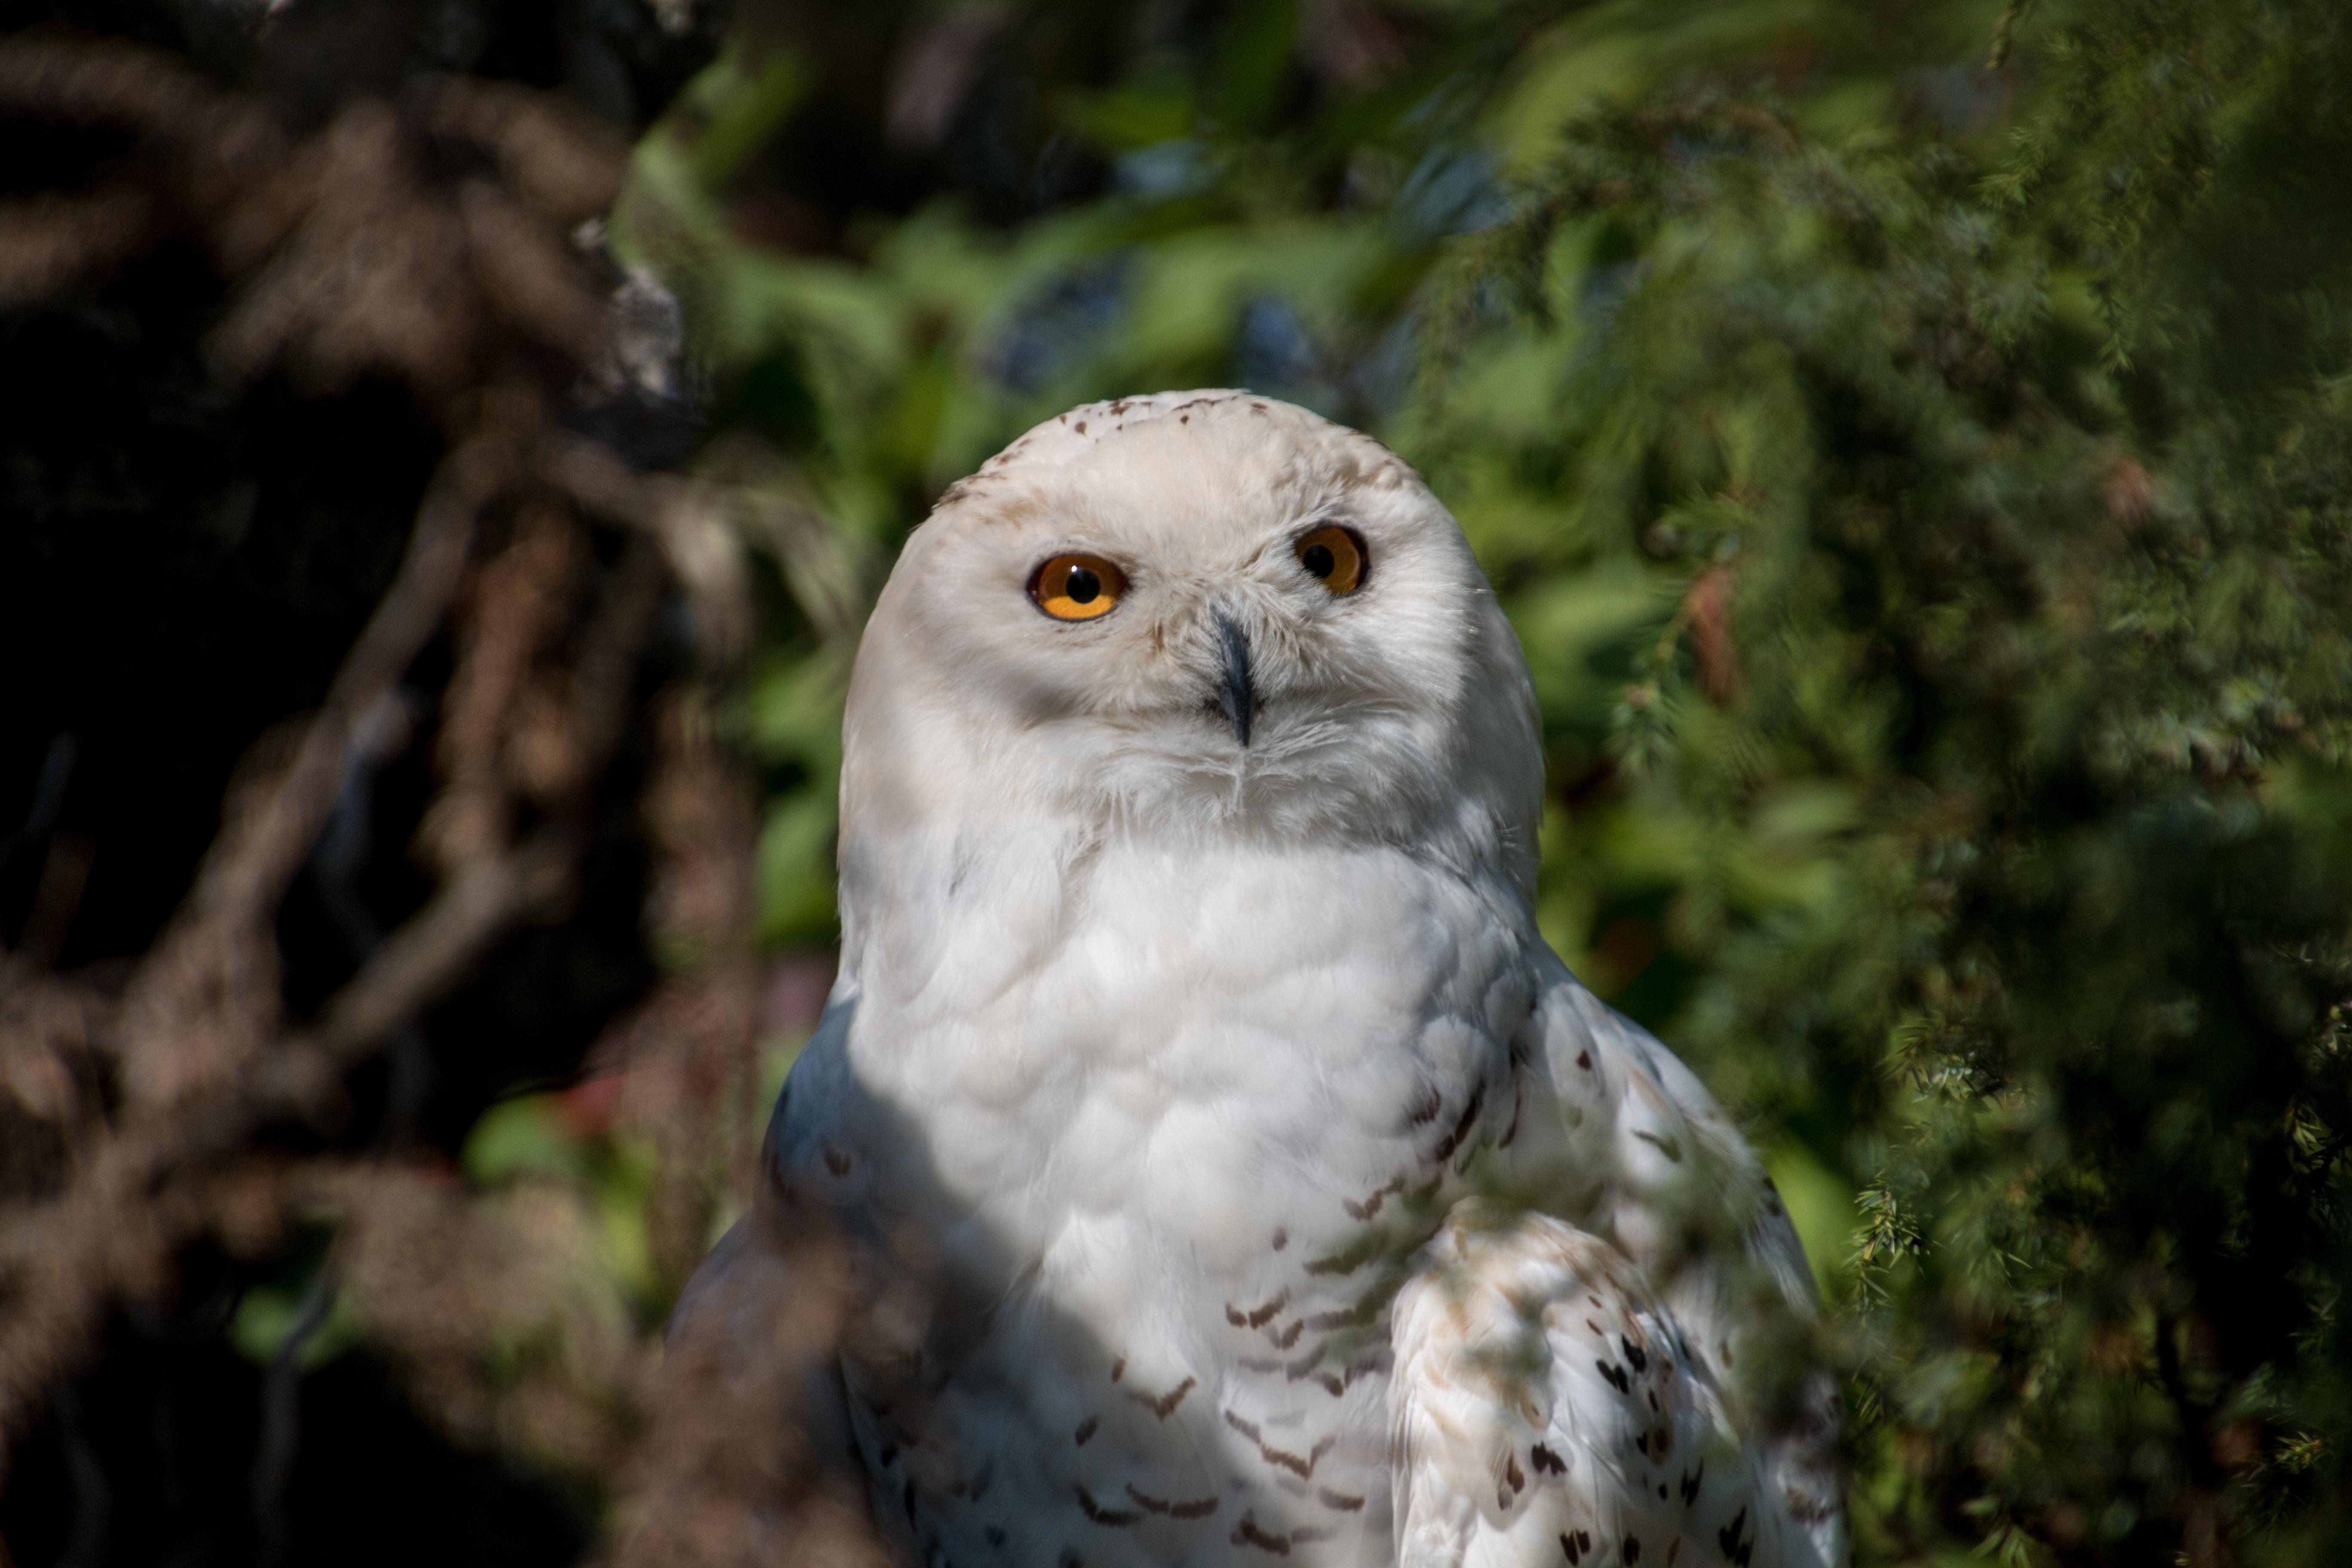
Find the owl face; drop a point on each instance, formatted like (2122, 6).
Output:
(1195, 612)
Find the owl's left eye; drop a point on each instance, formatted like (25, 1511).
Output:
(1077, 587)
(1334, 557)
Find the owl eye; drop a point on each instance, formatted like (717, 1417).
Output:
(1335, 557)
(1077, 587)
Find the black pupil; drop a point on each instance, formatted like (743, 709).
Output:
(1317, 559)
(1083, 586)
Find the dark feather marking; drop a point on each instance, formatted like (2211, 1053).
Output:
(1348, 1258)
(1260, 1316)
(1546, 1461)
(1453, 1140)
(1371, 1206)
(1360, 1315)
(1115, 1517)
(1086, 1431)
(1165, 1405)
(1195, 1508)
(1248, 1533)
(1303, 1468)
(1727, 1537)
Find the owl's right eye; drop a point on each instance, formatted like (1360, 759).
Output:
(1077, 587)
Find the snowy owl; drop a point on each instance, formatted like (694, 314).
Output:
(1275, 1193)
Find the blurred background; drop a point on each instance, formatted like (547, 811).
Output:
(447, 449)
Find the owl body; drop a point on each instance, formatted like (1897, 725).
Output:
(1133, 1180)
(1240, 1178)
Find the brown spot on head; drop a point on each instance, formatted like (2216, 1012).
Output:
(1281, 1238)
(1584, 1060)
(1119, 1369)
(1080, 427)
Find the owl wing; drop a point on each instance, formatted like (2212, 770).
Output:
(1634, 1383)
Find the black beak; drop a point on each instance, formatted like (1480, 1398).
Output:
(1236, 698)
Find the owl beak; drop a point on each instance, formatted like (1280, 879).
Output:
(1236, 697)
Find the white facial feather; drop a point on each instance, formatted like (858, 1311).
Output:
(1401, 713)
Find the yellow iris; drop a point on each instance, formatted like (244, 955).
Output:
(1077, 587)
(1335, 557)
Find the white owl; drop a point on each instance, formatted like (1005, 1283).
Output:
(1270, 1192)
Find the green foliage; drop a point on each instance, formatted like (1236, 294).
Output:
(1921, 493)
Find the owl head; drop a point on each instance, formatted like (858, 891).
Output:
(1191, 618)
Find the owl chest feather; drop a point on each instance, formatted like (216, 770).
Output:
(1201, 1120)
